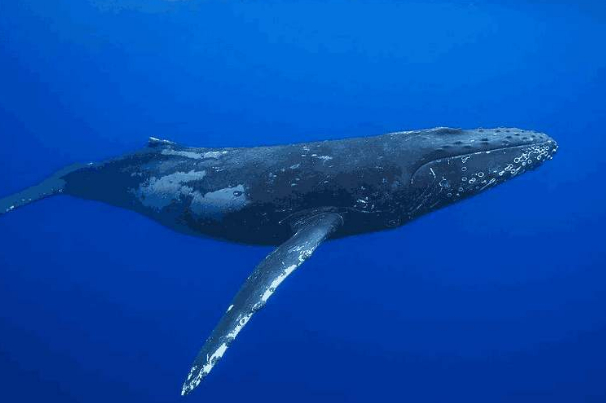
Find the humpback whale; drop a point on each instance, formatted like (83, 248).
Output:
(295, 196)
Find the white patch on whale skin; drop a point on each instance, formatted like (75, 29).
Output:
(220, 201)
(159, 141)
(194, 155)
(206, 368)
(242, 321)
(304, 253)
(214, 154)
(158, 193)
(277, 281)
(196, 374)
(186, 154)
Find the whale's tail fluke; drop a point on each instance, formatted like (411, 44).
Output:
(49, 187)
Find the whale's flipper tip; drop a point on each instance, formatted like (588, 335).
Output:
(51, 186)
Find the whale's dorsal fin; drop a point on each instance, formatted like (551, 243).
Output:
(257, 289)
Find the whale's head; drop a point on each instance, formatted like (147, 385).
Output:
(452, 164)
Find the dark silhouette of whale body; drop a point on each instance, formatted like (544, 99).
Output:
(295, 196)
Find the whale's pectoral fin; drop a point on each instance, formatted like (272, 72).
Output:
(257, 289)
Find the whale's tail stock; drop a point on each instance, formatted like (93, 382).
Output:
(51, 186)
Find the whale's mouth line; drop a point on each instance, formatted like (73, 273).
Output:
(492, 150)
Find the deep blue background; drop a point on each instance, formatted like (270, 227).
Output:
(501, 298)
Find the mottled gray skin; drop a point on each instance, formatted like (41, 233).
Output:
(253, 195)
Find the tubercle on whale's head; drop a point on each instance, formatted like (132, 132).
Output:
(453, 164)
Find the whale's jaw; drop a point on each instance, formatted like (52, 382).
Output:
(454, 177)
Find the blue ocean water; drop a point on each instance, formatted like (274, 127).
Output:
(500, 298)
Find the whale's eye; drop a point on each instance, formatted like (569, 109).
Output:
(237, 193)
